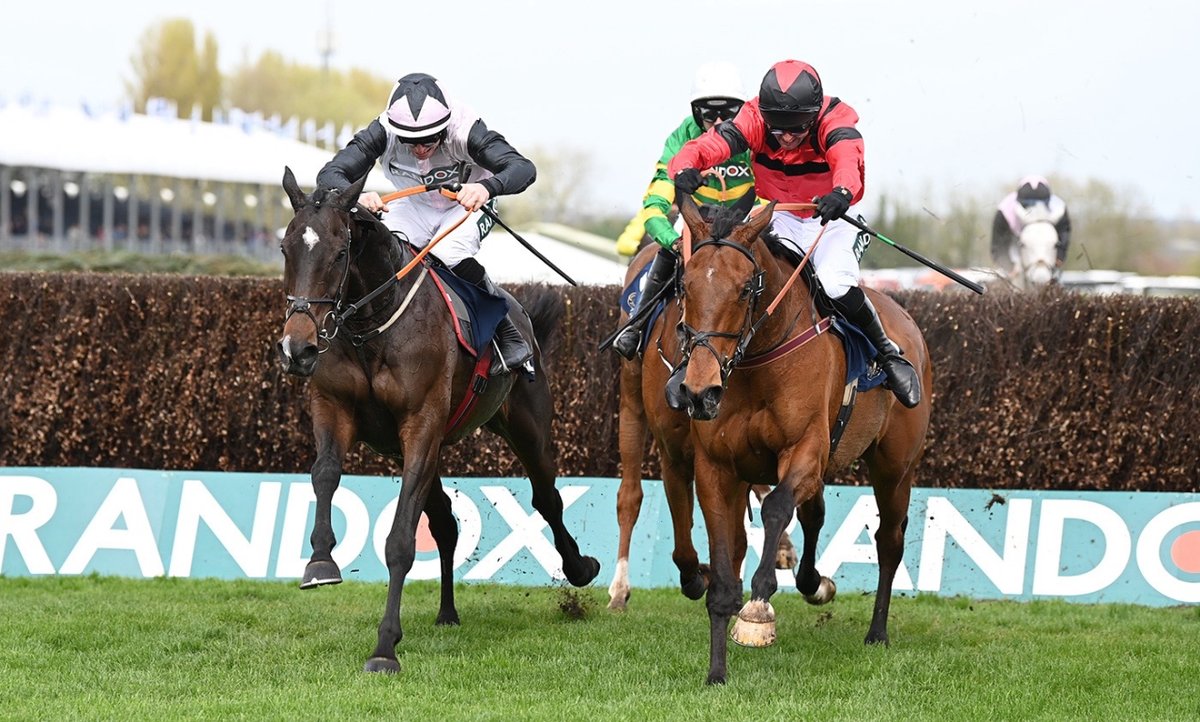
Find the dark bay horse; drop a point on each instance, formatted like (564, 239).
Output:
(643, 409)
(770, 423)
(396, 391)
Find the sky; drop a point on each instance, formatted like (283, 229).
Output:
(955, 98)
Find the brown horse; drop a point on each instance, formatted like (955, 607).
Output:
(643, 407)
(770, 423)
(397, 385)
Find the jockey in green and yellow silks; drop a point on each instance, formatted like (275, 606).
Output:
(716, 97)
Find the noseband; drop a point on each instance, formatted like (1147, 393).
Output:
(691, 338)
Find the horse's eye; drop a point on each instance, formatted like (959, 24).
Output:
(340, 255)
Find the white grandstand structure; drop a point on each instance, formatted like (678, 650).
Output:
(73, 179)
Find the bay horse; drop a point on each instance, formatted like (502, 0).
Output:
(395, 390)
(770, 422)
(643, 409)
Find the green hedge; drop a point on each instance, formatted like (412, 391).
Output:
(1049, 390)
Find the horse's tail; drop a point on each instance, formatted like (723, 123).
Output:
(546, 308)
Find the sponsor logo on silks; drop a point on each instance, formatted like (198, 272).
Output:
(733, 170)
(861, 241)
(1141, 548)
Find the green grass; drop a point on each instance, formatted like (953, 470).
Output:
(106, 648)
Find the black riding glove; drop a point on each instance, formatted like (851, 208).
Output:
(832, 206)
(688, 180)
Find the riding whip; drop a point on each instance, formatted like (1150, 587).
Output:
(451, 191)
(914, 255)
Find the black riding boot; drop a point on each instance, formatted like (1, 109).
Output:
(902, 378)
(514, 349)
(662, 269)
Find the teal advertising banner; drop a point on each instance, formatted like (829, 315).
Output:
(1080, 546)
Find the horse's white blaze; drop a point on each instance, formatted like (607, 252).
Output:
(286, 346)
(310, 237)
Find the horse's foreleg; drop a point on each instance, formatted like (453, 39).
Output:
(334, 432)
(420, 473)
(632, 443)
(526, 431)
(785, 553)
(718, 497)
(444, 528)
(815, 588)
(755, 626)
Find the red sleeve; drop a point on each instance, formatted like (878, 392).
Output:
(844, 149)
(700, 153)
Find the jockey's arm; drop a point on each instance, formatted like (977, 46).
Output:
(1064, 236)
(1002, 240)
(512, 172)
(355, 160)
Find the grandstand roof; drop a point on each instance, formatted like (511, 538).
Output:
(72, 139)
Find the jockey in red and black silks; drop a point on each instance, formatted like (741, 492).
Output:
(805, 148)
(830, 156)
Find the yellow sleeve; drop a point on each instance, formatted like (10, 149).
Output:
(631, 238)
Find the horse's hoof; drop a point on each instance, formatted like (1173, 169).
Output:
(618, 599)
(321, 573)
(591, 566)
(695, 587)
(755, 625)
(824, 594)
(382, 664)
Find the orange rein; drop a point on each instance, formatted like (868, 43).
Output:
(397, 195)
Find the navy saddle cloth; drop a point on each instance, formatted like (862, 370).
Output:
(477, 311)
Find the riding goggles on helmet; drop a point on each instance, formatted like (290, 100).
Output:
(794, 123)
(427, 140)
(713, 110)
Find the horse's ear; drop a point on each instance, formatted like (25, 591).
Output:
(759, 221)
(691, 215)
(347, 198)
(292, 188)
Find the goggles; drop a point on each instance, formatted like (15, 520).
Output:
(798, 130)
(426, 141)
(714, 110)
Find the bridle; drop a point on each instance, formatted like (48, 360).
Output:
(690, 338)
(303, 304)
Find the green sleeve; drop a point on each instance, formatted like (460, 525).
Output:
(660, 196)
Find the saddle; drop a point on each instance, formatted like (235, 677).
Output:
(474, 315)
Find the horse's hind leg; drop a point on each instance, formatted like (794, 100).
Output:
(526, 430)
(444, 528)
(334, 431)
(632, 441)
(892, 493)
(677, 472)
